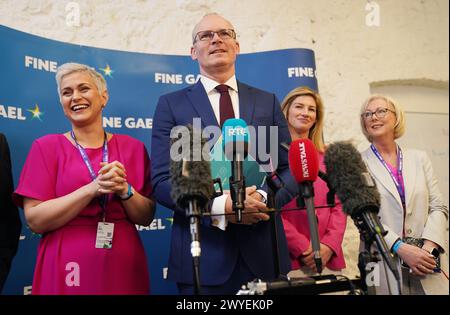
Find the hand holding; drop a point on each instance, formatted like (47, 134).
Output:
(325, 253)
(419, 260)
(307, 258)
(112, 178)
(253, 206)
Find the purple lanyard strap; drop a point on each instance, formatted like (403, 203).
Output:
(400, 188)
(104, 198)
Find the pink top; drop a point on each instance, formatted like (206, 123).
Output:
(331, 224)
(68, 262)
(394, 171)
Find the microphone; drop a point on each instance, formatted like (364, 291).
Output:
(274, 183)
(331, 193)
(304, 166)
(192, 187)
(235, 135)
(357, 191)
(305, 285)
(191, 175)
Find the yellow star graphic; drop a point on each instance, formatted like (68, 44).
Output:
(107, 71)
(36, 112)
(170, 220)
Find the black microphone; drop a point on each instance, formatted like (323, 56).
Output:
(192, 185)
(305, 285)
(235, 141)
(348, 176)
(274, 183)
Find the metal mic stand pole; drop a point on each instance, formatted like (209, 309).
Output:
(369, 236)
(194, 218)
(274, 183)
(274, 230)
(364, 259)
(367, 258)
(237, 187)
(313, 230)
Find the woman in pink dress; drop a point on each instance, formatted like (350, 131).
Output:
(84, 191)
(304, 113)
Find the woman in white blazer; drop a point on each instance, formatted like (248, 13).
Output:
(411, 204)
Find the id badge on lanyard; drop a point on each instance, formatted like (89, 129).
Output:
(105, 230)
(105, 233)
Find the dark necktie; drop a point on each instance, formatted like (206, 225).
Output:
(226, 108)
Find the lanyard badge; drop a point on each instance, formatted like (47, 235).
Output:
(104, 237)
(105, 230)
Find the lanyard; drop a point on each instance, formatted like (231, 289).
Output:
(399, 187)
(104, 198)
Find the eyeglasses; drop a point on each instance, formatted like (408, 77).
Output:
(209, 35)
(380, 113)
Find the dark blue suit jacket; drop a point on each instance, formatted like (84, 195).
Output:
(220, 249)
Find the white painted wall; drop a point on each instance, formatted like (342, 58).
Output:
(410, 43)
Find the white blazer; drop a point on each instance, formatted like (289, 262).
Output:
(426, 213)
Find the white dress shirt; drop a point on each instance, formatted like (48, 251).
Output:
(218, 206)
(214, 95)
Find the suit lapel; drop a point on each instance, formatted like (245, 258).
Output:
(200, 101)
(246, 102)
(409, 175)
(382, 175)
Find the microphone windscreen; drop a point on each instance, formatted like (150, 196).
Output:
(303, 160)
(349, 177)
(235, 140)
(191, 174)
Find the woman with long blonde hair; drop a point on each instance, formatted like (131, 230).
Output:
(304, 113)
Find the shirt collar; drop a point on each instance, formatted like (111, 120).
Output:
(210, 84)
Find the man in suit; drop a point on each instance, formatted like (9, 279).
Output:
(232, 253)
(10, 224)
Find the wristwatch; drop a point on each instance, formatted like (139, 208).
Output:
(128, 195)
(434, 252)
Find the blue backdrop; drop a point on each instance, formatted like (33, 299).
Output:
(29, 109)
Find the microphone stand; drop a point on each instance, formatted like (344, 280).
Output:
(306, 198)
(367, 256)
(272, 189)
(194, 213)
(237, 186)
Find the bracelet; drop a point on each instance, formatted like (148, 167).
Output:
(397, 245)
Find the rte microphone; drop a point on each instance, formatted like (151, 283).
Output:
(192, 188)
(235, 146)
(357, 191)
(304, 166)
